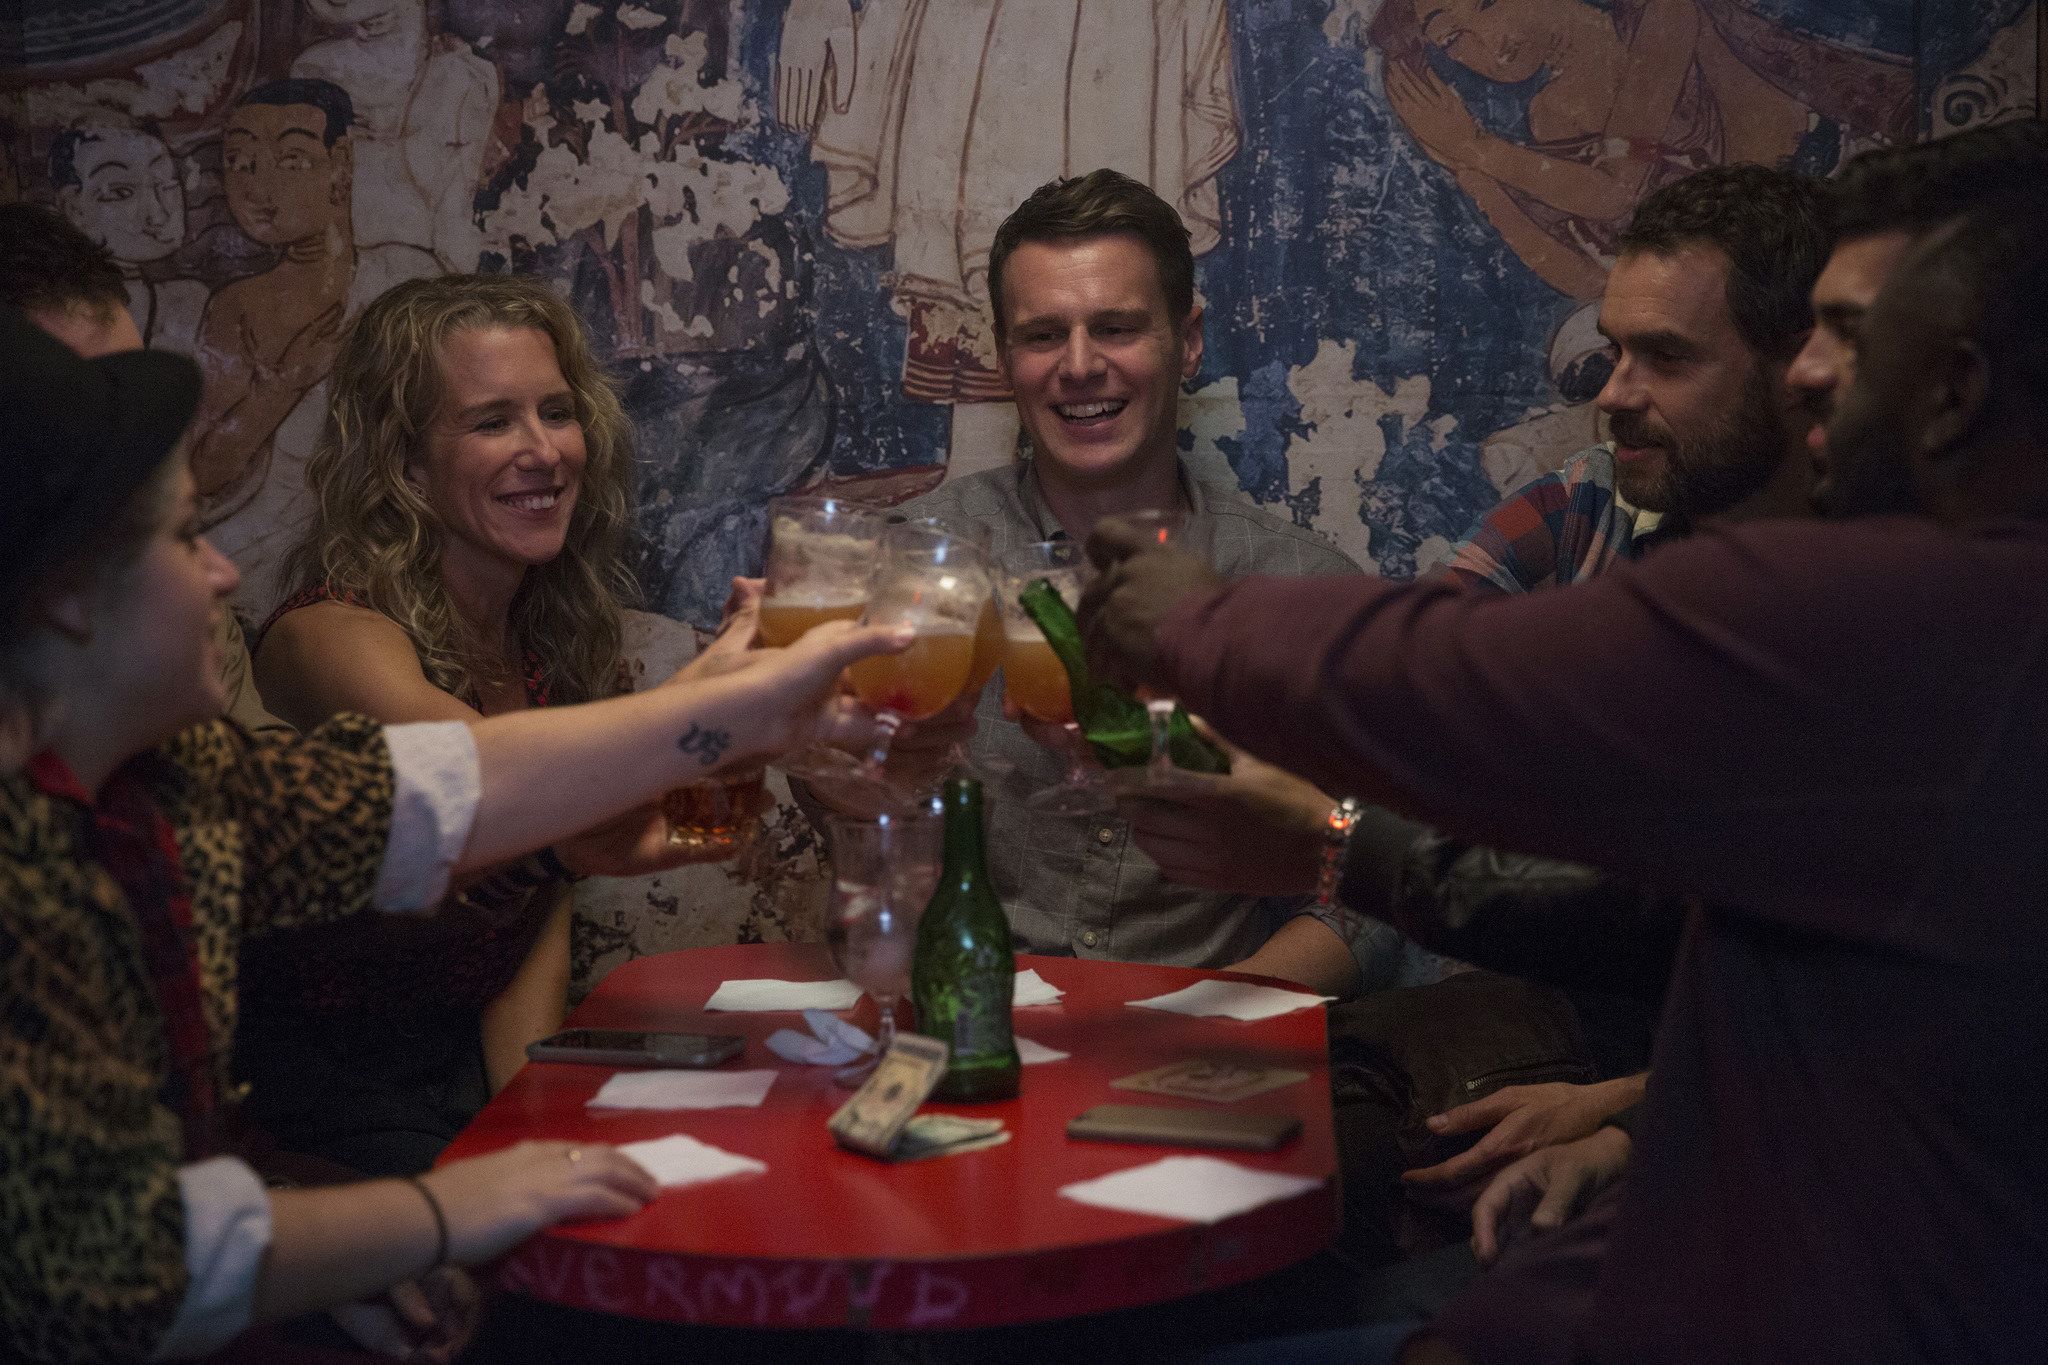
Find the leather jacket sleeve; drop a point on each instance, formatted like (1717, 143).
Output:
(1564, 924)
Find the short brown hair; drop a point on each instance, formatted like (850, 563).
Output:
(1095, 205)
(48, 266)
(1770, 224)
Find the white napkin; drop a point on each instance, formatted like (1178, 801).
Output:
(1029, 1052)
(1198, 1189)
(767, 994)
(683, 1090)
(682, 1160)
(1033, 989)
(1235, 999)
(831, 1042)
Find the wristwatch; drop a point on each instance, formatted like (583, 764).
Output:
(1336, 839)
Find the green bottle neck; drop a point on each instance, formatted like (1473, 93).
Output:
(1055, 620)
(965, 857)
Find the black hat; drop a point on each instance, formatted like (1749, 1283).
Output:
(77, 438)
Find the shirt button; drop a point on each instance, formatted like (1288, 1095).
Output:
(1088, 936)
(1105, 835)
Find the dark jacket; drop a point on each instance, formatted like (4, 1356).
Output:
(1560, 923)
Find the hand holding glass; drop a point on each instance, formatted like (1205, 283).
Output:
(822, 554)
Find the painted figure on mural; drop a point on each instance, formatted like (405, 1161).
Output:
(1638, 93)
(1994, 78)
(268, 341)
(124, 189)
(934, 120)
(423, 105)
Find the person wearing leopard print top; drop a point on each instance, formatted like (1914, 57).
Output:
(141, 839)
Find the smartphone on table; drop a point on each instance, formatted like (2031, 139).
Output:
(636, 1047)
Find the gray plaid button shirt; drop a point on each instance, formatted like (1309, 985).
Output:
(1076, 886)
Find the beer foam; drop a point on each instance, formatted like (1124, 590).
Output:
(834, 562)
(820, 600)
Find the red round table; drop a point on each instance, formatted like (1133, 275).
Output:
(827, 1238)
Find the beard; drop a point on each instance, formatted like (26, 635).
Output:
(1714, 469)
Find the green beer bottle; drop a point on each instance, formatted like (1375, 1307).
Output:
(963, 975)
(1113, 722)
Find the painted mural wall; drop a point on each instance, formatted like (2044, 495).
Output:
(775, 216)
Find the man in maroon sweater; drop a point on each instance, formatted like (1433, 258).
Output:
(1837, 736)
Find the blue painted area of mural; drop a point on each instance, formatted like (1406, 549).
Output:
(859, 337)
(1336, 228)
(1884, 25)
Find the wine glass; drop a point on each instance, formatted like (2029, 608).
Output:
(1035, 678)
(1160, 526)
(822, 554)
(883, 873)
(988, 635)
(937, 583)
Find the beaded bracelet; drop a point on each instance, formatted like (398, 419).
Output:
(440, 1221)
(1336, 838)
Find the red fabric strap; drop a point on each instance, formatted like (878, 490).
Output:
(130, 837)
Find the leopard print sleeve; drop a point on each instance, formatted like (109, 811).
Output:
(92, 1266)
(312, 815)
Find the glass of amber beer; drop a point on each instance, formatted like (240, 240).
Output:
(821, 553)
(717, 818)
(1036, 680)
(938, 583)
(988, 634)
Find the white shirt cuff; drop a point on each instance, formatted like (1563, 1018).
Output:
(227, 1230)
(439, 780)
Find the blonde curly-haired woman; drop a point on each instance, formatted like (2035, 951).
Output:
(472, 491)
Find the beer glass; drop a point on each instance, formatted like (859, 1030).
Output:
(938, 584)
(988, 635)
(1034, 677)
(717, 818)
(821, 554)
(883, 872)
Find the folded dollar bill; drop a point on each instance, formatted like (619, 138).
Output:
(930, 1135)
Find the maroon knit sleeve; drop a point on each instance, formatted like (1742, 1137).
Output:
(1789, 715)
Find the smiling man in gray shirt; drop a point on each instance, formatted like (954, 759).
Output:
(1092, 284)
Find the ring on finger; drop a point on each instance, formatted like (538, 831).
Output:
(575, 1154)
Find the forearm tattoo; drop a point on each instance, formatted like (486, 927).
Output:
(708, 745)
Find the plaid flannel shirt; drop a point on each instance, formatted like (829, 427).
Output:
(1563, 528)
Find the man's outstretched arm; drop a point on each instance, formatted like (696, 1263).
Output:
(1741, 716)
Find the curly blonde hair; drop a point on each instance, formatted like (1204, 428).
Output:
(375, 534)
